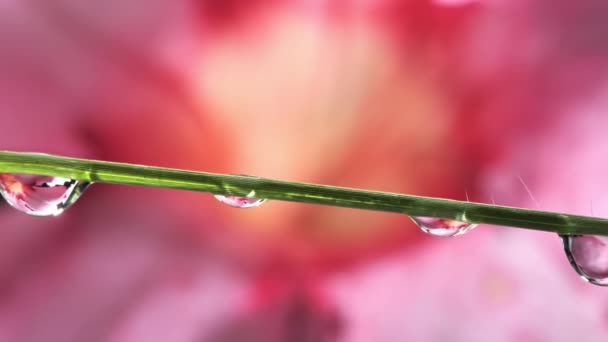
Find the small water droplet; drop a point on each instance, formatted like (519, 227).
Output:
(588, 255)
(40, 195)
(240, 202)
(442, 227)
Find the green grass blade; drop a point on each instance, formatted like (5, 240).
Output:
(130, 174)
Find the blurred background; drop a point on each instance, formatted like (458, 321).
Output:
(448, 98)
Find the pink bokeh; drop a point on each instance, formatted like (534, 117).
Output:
(456, 99)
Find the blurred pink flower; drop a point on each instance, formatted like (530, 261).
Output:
(426, 97)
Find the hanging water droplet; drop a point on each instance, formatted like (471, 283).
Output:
(240, 202)
(248, 201)
(588, 255)
(40, 195)
(442, 227)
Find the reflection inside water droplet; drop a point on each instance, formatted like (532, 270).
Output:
(40, 195)
(442, 227)
(240, 202)
(588, 255)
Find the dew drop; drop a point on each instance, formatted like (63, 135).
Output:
(442, 227)
(240, 202)
(40, 195)
(588, 255)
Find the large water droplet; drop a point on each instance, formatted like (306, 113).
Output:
(40, 195)
(240, 202)
(588, 255)
(442, 227)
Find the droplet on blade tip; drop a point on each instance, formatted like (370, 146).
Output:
(588, 255)
(40, 195)
(442, 227)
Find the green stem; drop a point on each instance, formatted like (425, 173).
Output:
(130, 174)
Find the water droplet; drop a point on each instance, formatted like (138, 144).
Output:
(40, 195)
(588, 255)
(240, 202)
(442, 227)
